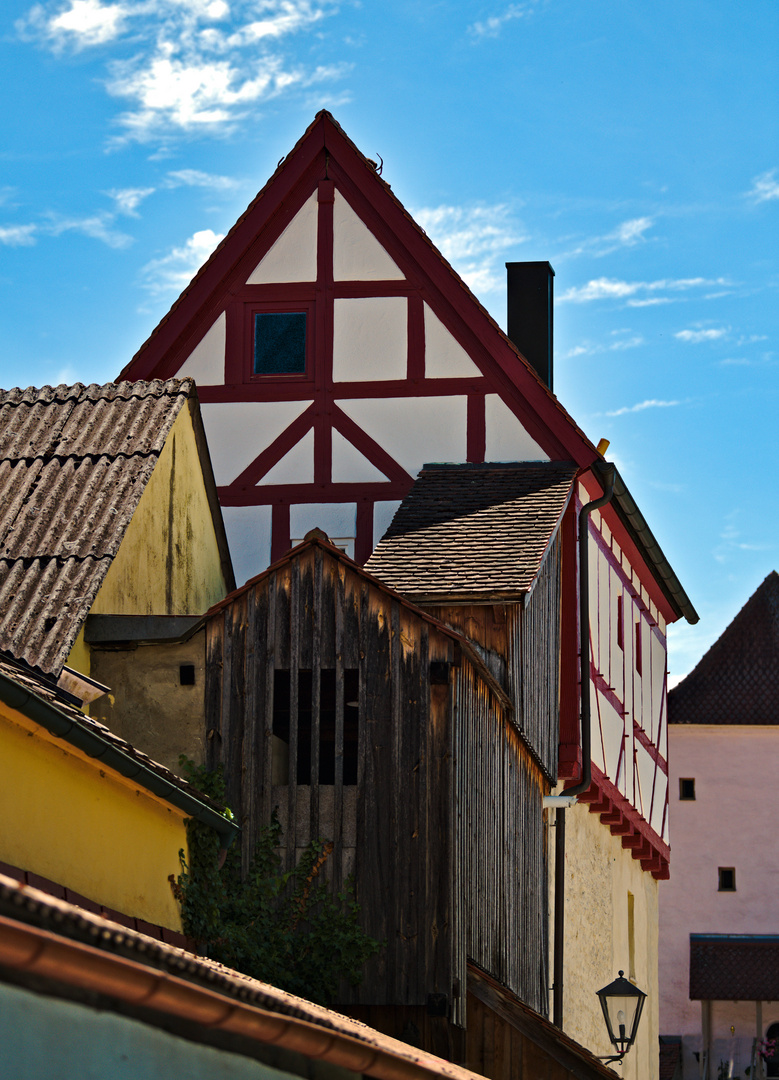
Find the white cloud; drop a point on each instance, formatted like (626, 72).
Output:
(627, 234)
(190, 69)
(765, 187)
(82, 24)
(18, 235)
(129, 199)
(695, 337)
(196, 178)
(173, 272)
(473, 239)
(610, 289)
(653, 403)
(591, 348)
(98, 226)
(630, 232)
(492, 26)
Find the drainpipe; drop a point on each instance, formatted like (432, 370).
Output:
(560, 802)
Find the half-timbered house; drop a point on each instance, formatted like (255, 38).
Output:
(336, 353)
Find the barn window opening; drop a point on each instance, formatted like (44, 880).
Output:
(328, 711)
(280, 343)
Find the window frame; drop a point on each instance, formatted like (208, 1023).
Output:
(721, 870)
(687, 780)
(252, 307)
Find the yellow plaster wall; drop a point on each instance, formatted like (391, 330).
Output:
(67, 818)
(168, 563)
(599, 874)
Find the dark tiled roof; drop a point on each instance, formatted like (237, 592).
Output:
(737, 681)
(74, 462)
(670, 1060)
(734, 967)
(473, 530)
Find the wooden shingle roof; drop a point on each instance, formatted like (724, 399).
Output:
(74, 463)
(737, 680)
(473, 531)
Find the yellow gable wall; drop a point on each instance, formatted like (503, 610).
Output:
(69, 819)
(168, 562)
(599, 874)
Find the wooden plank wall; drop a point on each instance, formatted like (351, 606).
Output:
(314, 614)
(500, 864)
(534, 662)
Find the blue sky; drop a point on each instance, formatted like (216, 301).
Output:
(635, 146)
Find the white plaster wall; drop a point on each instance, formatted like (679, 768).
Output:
(248, 531)
(506, 438)
(350, 466)
(414, 430)
(731, 822)
(206, 363)
(357, 254)
(297, 465)
(444, 356)
(370, 338)
(383, 513)
(599, 874)
(238, 431)
(338, 520)
(293, 256)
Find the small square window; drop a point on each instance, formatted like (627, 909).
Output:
(727, 879)
(186, 674)
(687, 789)
(280, 343)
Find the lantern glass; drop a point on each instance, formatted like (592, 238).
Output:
(622, 1003)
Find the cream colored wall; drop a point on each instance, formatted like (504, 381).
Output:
(599, 874)
(168, 563)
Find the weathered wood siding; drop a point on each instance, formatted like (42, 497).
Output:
(392, 827)
(534, 662)
(500, 871)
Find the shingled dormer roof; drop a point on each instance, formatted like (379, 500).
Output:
(74, 463)
(737, 681)
(473, 532)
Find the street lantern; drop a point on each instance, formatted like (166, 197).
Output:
(622, 1003)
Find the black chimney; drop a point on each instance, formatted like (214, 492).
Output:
(530, 315)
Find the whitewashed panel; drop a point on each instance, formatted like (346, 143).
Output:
(338, 520)
(297, 465)
(658, 803)
(596, 735)
(248, 531)
(383, 513)
(645, 767)
(506, 438)
(350, 466)
(646, 678)
(604, 618)
(238, 431)
(293, 256)
(613, 729)
(370, 338)
(628, 615)
(357, 254)
(206, 363)
(592, 579)
(444, 356)
(617, 662)
(413, 430)
(657, 652)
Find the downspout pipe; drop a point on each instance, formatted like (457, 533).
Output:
(607, 474)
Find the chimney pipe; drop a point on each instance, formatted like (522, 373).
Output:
(530, 322)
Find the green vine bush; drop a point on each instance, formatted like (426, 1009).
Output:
(283, 927)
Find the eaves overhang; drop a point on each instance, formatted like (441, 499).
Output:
(94, 745)
(642, 536)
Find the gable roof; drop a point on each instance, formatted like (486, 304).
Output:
(74, 463)
(474, 531)
(734, 967)
(326, 151)
(737, 680)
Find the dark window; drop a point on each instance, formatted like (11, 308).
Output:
(282, 722)
(727, 879)
(772, 1062)
(639, 658)
(280, 343)
(687, 789)
(187, 674)
(620, 624)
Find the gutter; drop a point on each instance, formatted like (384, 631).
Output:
(45, 955)
(644, 539)
(95, 745)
